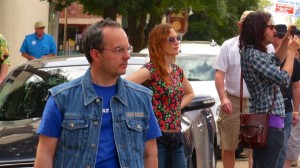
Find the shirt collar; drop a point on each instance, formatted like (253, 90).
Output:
(90, 95)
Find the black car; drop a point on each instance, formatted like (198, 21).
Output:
(24, 94)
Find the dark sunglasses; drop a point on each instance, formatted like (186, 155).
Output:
(271, 26)
(41, 27)
(173, 39)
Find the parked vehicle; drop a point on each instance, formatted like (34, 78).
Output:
(24, 94)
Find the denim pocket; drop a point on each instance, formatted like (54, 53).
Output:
(73, 132)
(137, 125)
(136, 133)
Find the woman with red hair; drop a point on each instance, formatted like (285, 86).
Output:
(171, 92)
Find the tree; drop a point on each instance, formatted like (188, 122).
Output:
(297, 23)
(211, 19)
(140, 16)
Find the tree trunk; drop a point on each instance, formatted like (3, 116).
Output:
(110, 12)
(136, 31)
(131, 29)
(154, 20)
(141, 32)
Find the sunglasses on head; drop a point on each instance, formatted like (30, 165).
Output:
(172, 39)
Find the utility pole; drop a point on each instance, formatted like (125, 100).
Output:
(65, 31)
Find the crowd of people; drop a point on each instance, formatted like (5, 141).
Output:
(261, 47)
(86, 121)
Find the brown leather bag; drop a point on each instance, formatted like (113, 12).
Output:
(253, 126)
(253, 130)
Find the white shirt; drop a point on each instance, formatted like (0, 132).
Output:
(228, 61)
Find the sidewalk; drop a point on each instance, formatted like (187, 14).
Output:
(239, 163)
(243, 163)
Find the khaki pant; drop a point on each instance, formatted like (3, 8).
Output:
(229, 124)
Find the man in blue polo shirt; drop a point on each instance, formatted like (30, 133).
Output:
(38, 44)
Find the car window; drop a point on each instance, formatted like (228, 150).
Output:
(25, 93)
(197, 67)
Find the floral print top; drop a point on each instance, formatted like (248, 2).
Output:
(166, 100)
(4, 54)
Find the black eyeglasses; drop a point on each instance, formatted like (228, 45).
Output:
(271, 26)
(121, 50)
(41, 27)
(172, 39)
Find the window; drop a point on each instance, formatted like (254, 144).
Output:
(25, 95)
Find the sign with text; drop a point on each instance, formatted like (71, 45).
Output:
(284, 8)
(289, 7)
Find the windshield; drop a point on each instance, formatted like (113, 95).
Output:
(25, 93)
(197, 67)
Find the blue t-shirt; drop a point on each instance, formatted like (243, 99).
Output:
(36, 47)
(107, 154)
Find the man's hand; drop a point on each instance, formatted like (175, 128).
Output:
(226, 106)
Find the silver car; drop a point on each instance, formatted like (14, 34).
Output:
(24, 94)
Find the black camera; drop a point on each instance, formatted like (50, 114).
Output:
(295, 31)
(281, 30)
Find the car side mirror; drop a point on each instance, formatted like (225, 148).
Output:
(199, 102)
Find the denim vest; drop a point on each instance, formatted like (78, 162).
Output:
(82, 110)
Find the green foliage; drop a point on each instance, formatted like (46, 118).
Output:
(297, 23)
(211, 19)
(61, 4)
(220, 23)
(264, 4)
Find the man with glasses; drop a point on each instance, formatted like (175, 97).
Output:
(39, 44)
(99, 119)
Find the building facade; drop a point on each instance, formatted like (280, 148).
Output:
(18, 18)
